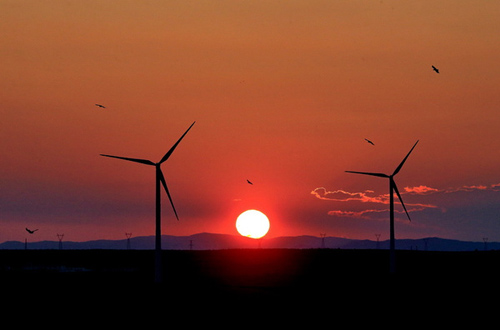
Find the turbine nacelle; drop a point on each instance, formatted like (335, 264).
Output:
(159, 173)
(393, 186)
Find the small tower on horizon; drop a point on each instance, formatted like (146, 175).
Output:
(128, 235)
(426, 244)
(378, 238)
(60, 237)
(322, 240)
(485, 240)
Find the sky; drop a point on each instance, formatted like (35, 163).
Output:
(283, 94)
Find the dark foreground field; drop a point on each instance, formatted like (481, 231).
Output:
(259, 277)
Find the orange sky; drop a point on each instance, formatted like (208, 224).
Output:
(283, 93)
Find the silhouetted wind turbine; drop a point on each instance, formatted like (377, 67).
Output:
(392, 188)
(159, 179)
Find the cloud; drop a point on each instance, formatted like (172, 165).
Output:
(473, 188)
(345, 196)
(420, 190)
(355, 214)
(367, 214)
(424, 190)
(369, 196)
(364, 196)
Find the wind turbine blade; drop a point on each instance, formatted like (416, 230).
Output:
(175, 145)
(396, 171)
(162, 179)
(136, 160)
(400, 199)
(382, 175)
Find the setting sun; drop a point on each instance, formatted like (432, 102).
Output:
(252, 223)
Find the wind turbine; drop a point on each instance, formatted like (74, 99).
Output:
(392, 188)
(159, 179)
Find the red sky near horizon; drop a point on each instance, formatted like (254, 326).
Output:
(283, 94)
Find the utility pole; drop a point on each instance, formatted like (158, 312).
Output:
(322, 240)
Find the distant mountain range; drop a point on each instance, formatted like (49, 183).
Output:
(207, 241)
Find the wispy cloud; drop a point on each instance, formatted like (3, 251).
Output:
(366, 196)
(369, 196)
(493, 187)
(424, 190)
(345, 196)
(355, 214)
(420, 190)
(369, 213)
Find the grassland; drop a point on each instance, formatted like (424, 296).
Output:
(249, 268)
(284, 281)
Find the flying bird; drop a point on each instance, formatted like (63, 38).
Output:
(100, 105)
(370, 142)
(249, 182)
(435, 69)
(31, 231)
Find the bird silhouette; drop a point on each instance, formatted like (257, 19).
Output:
(435, 69)
(249, 182)
(31, 231)
(370, 142)
(100, 105)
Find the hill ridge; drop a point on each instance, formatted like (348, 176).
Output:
(215, 241)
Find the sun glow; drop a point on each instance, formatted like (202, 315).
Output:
(253, 224)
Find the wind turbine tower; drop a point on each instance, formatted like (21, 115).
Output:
(160, 180)
(392, 188)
